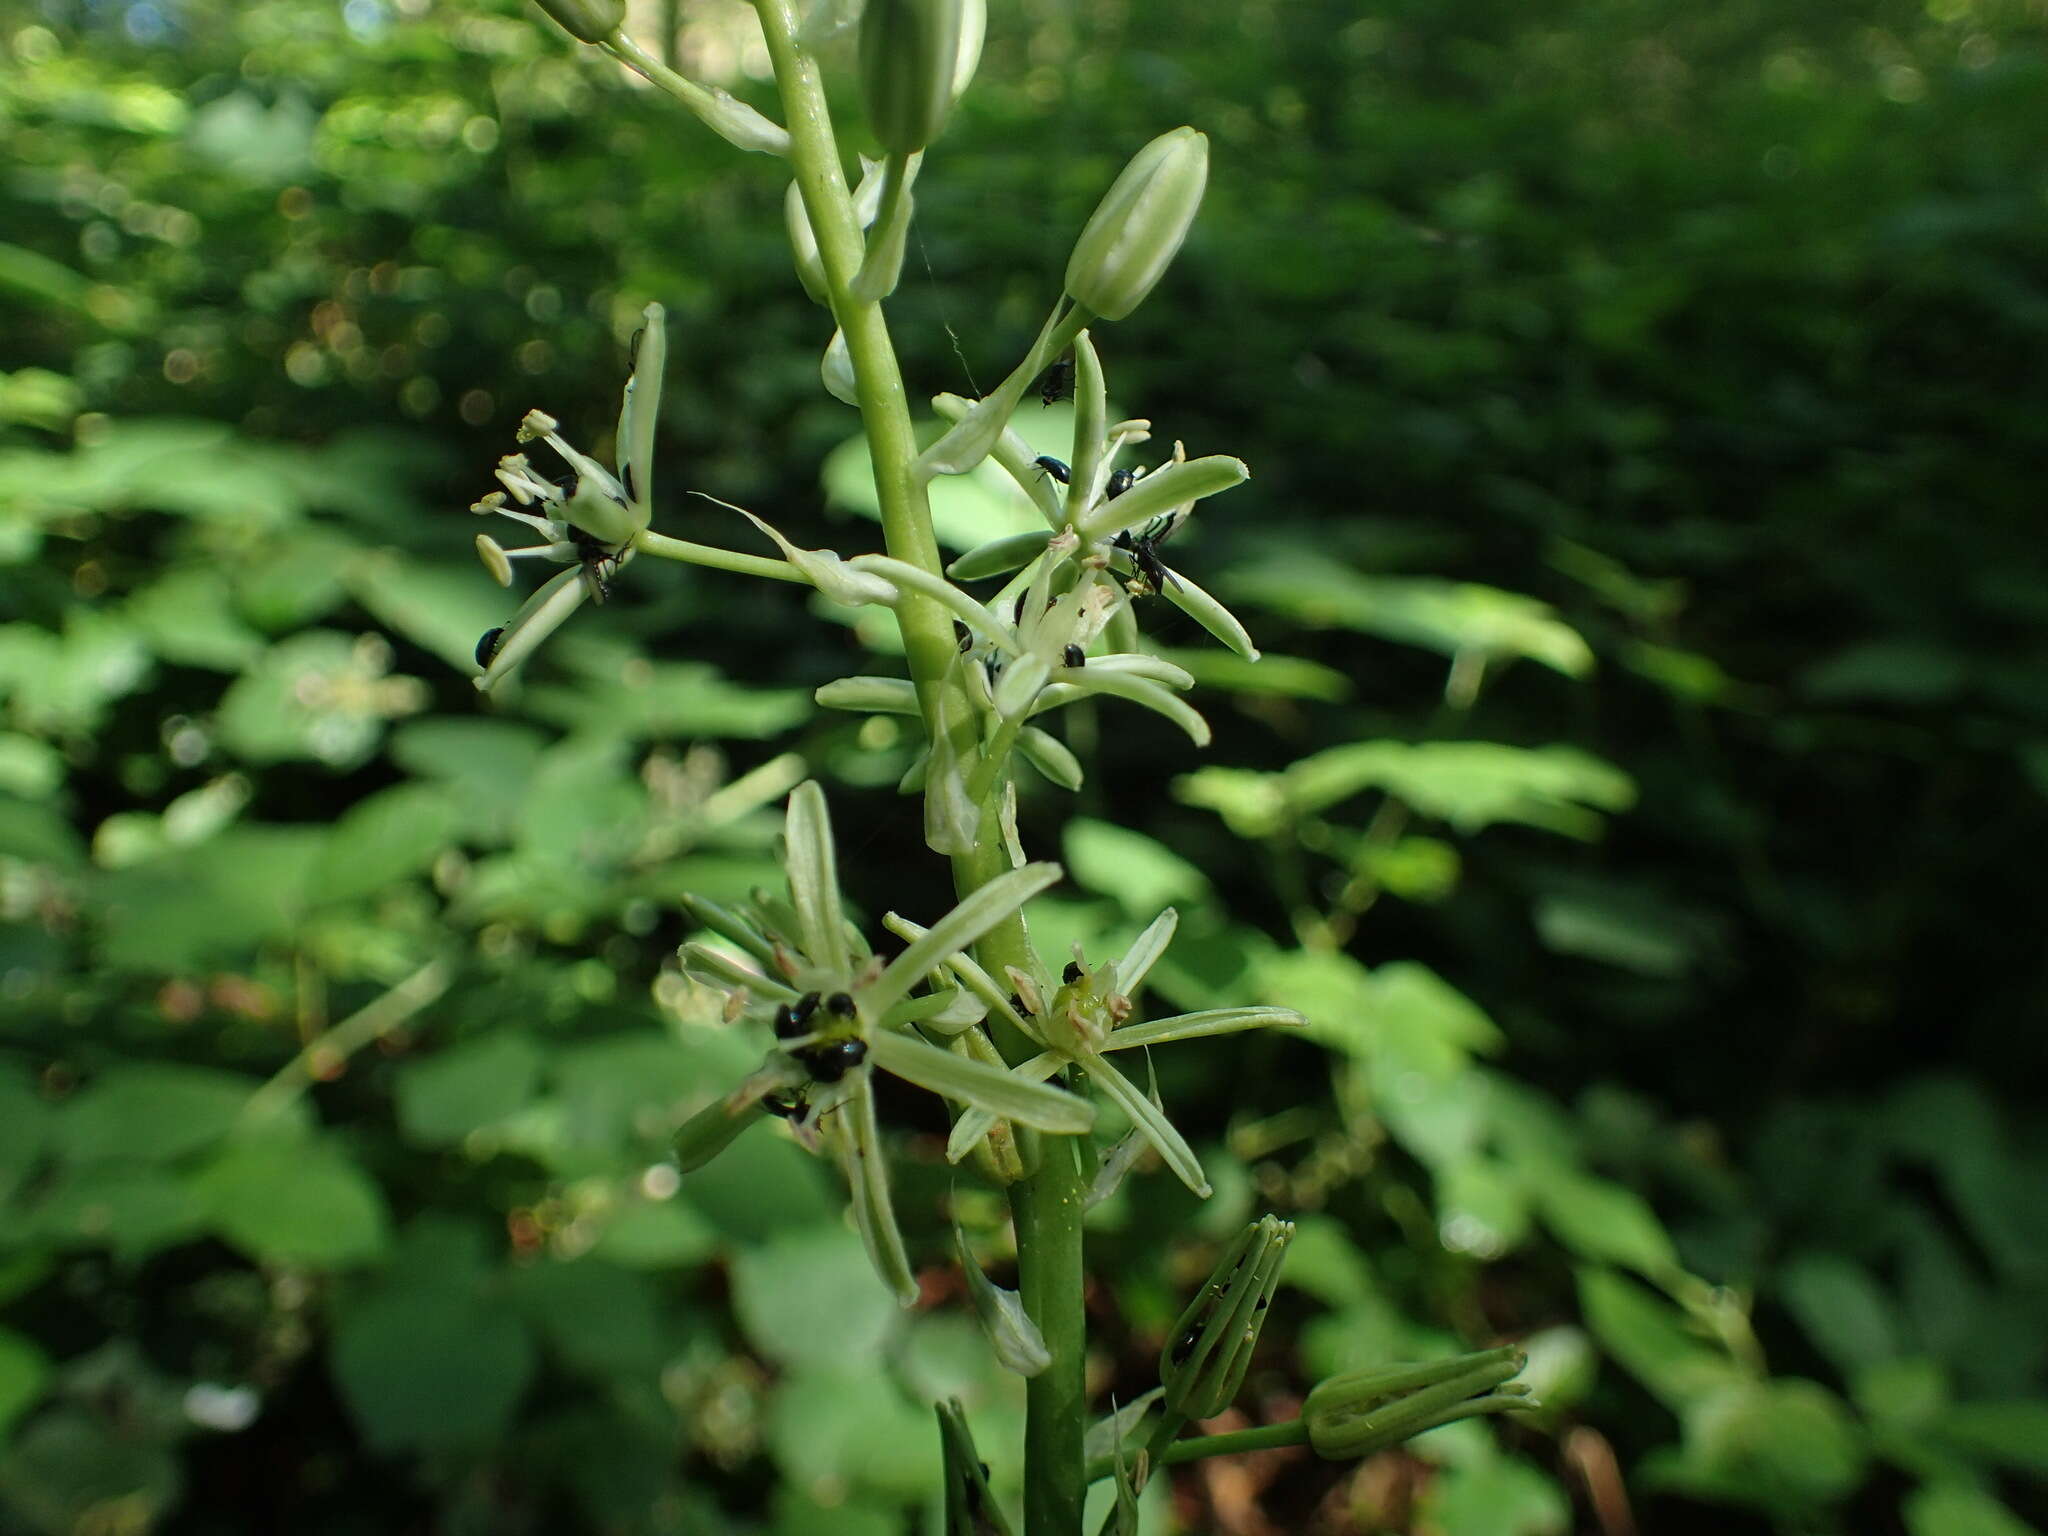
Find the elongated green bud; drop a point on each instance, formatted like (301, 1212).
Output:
(1210, 1348)
(588, 21)
(709, 1132)
(1136, 229)
(1361, 1412)
(910, 59)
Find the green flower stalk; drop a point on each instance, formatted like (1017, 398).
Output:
(1137, 228)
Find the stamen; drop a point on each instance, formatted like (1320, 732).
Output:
(536, 424)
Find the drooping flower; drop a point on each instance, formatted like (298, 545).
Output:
(1082, 1017)
(837, 1012)
(589, 518)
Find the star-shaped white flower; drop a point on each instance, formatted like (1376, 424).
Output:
(588, 519)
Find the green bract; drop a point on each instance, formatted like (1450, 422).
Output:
(1138, 226)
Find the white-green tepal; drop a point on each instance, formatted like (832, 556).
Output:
(916, 57)
(1138, 226)
(588, 21)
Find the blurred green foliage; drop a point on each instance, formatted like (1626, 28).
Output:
(1648, 422)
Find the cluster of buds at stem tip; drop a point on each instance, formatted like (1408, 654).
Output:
(1137, 228)
(916, 58)
(1211, 1346)
(1362, 1412)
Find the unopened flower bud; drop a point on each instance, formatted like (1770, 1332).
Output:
(1361, 1412)
(911, 58)
(1210, 1348)
(588, 21)
(1139, 224)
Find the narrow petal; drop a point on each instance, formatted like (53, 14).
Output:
(1206, 611)
(543, 613)
(640, 410)
(1156, 669)
(974, 916)
(716, 966)
(813, 871)
(1151, 1122)
(870, 695)
(1146, 948)
(1050, 756)
(974, 1123)
(998, 556)
(729, 924)
(1166, 488)
(1137, 690)
(1002, 1093)
(867, 1177)
(971, 975)
(1197, 1026)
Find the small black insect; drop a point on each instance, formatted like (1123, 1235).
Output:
(1074, 656)
(1144, 552)
(793, 1019)
(787, 1105)
(1058, 381)
(829, 1063)
(599, 559)
(1016, 1003)
(1057, 468)
(840, 1005)
(1120, 480)
(963, 637)
(1185, 1345)
(487, 647)
(1072, 973)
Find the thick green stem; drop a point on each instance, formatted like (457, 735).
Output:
(1047, 1207)
(878, 381)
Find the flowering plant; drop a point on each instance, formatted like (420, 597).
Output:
(1026, 1052)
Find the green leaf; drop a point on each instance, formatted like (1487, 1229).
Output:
(1442, 616)
(442, 1098)
(384, 839)
(1140, 872)
(316, 696)
(431, 1367)
(294, 1202)
(809, 1298)
(2011, 1434)
(1597, 1219)
(1843, 1310)
(655, 1234)
(1482, 1208)
(1783, 1444)
(131, 1211)
(23, 1371)
(600, 1319)
(1960, 1509)
(68, 1471)
(1471, 785)
(26, 1124)
(1650, 1338)
(1496, 1496)
(832, 1427)
(151, 1112)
